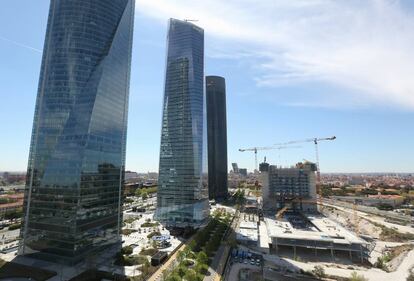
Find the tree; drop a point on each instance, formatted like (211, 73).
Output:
(174, 277)
(192, 245)
(182, 270)
(190, 275)
(202, 258)
(180, 256)
(144, 195)
(201, 268)
(318, 271)
(356, 277)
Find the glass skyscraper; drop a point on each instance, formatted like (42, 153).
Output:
(182, 185)
(73, 196)
(217, 137)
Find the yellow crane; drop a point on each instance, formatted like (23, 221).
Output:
(255, 149)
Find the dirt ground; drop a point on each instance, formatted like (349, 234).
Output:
(364, 226)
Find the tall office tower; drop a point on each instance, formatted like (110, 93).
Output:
(235, 168)
(217, 137)
(73, 196)
(182, 184)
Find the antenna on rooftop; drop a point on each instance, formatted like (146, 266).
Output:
(187, 20)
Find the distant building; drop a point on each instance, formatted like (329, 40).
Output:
(243, 172)
(14, 177)
(182, 196)
(217, 137)
(294, 187)
(235, 168)
(130, 175)
(373, 200)
(73, 196)
(13, 203)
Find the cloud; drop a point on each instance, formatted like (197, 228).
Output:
(362, 46)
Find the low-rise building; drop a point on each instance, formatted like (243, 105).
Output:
(13, 203)
(373, 200)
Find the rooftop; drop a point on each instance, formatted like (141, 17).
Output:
(319, 228)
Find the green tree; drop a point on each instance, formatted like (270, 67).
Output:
(202, 258)
(144, 195)
(356, 277)
(191, 275)
(201, 268)
(181, 255)
(174, 277)
(182, 270)
(138, 192)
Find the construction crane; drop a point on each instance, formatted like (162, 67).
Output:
(316, 142)
(255, 149)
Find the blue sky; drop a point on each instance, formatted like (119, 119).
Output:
(294, 70)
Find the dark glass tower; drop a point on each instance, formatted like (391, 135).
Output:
(217, 137)
(182, 185)
(73, 197)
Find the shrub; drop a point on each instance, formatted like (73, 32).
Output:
(150, 224)
(148, 252)
(154, 233)
(14, 226)
(128, 231)
(318, 271)
(11, 215)
(127, 250)
(356, 277)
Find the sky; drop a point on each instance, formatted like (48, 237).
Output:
(294, 70)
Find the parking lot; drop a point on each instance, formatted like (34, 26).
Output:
(246, 257)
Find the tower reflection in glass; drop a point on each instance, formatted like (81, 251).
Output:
(73, 196)
(182, 185)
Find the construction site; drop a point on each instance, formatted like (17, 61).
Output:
(292, 224)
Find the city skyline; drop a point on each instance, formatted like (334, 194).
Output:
(373, 130)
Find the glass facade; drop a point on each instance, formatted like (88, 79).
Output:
(182, 184)
(73, 196)
(217, 137)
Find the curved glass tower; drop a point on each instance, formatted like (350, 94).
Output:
(73, 198)
(182, 185)
(217, 137)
